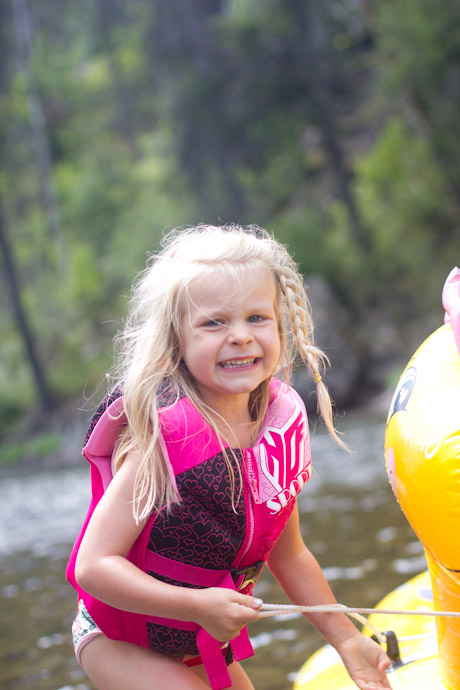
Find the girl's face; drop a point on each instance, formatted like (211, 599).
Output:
(230, 338)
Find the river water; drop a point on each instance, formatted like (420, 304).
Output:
(350, 520)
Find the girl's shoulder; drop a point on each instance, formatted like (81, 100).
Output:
(111, 406)
(108, 401)
(282, 392)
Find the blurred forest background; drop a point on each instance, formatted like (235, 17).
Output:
(334, 124)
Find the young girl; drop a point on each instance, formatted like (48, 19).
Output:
(196, 459)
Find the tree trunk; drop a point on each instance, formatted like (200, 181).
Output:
(25, 329)
(23, 32)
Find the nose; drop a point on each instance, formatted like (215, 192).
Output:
(240, 334)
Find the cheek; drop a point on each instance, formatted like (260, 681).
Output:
(188, 351)
(276, 348)
(197, 351)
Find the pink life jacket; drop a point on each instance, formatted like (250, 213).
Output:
(203, 541)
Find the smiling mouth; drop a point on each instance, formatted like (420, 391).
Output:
(234, 363)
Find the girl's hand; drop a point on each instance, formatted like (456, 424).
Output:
(223, 612)
(365, 662)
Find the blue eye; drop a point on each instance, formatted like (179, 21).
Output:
(256, 318)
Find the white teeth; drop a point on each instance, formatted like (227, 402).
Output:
(238, 363)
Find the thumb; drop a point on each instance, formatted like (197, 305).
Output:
(248, 600)
(256, 603)
(384, 663)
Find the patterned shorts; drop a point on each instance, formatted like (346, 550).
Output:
(84, 629)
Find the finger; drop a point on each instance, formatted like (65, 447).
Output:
(248, 600)
(379, 686)
(375, 684)
(383, 664)
(235, 634)
(251, 612)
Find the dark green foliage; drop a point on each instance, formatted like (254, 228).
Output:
(333, 124)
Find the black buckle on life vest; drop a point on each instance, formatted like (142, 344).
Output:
(249, 574)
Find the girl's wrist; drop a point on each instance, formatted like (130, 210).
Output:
(175, 602)
(341, 633)
(191, 604)
(344, 639)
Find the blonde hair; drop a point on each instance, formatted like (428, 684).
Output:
(150, 349)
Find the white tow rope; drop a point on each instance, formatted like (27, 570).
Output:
(267, 610)
(284, 609)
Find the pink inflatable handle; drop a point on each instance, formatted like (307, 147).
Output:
(451, 303)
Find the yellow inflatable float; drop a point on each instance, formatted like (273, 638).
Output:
(422, 450)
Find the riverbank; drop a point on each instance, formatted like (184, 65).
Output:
(46, 441)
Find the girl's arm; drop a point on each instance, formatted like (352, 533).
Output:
(301, 577)
(103, 570)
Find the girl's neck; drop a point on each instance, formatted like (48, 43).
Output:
(238, 434)
(234, 423)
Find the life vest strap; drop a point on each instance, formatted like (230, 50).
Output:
(211, 654)
(208, 647)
